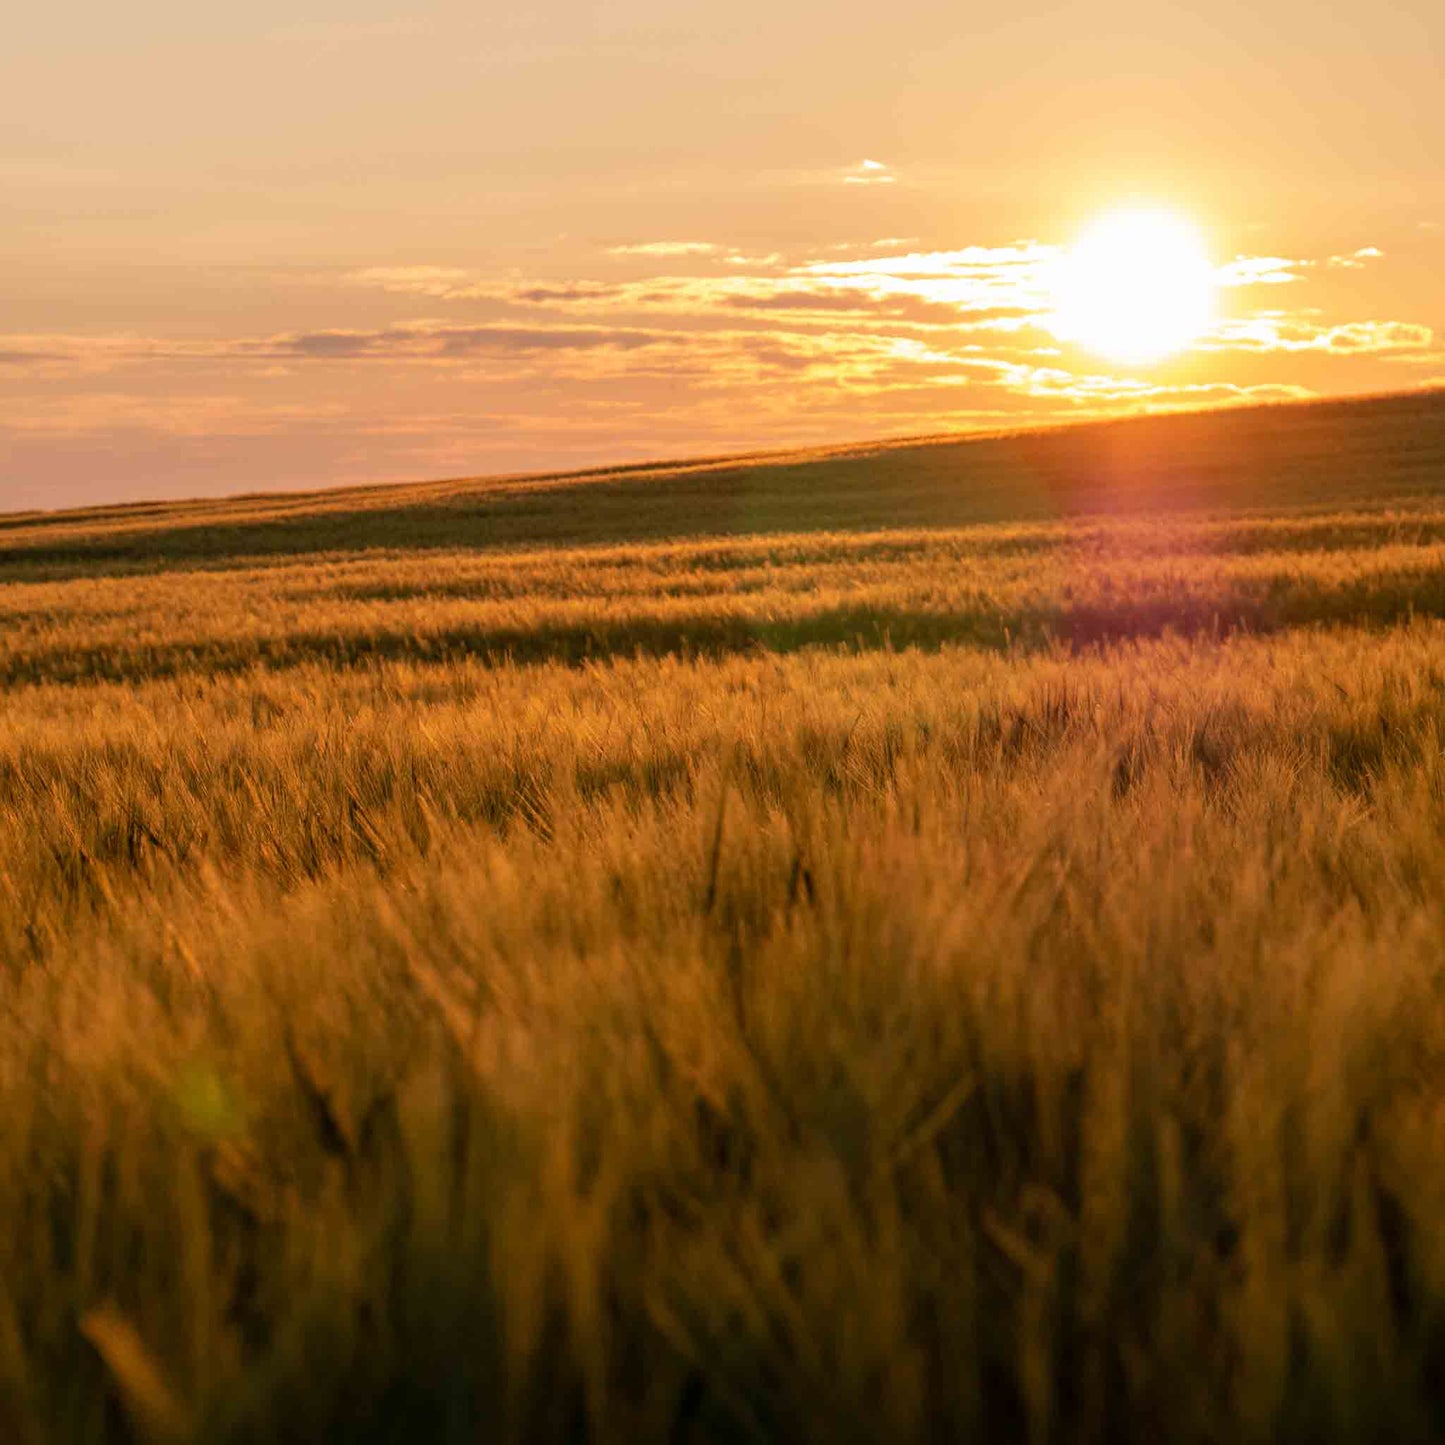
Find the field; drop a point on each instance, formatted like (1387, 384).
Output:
(936, 942)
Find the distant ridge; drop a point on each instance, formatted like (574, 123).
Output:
(1369, 451)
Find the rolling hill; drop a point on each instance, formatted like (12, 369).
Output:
(1332, 454)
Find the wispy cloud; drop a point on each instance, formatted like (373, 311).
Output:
(940, 265)
(1356, 259)
(1280, 331)
(666, 249)
(869, 173)
(676, 343)
(1006, 285)
(1260, 271)
(26, 358)
(954, 303)
(1280, 271)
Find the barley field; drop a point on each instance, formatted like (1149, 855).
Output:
(930, 943)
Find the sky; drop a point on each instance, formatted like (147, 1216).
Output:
(296, 245)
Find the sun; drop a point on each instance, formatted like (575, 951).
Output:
(1137, 286)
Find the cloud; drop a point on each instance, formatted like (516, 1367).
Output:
(666, 248)
(1376, 336)
(1356, 259)
(1006, 286)
(958, 302)
(677, 342)
(868, 306)
(450, 283)
(416, 341)
(566, 294)
(25, 357)
(883, 243)
(1260, 271)
(741, 258)
(869, 173)
(429, 342)
(1279, 331)
(940, 265)
(1281, 271)
(796, 300)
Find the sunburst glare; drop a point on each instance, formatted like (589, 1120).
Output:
(1138, 286)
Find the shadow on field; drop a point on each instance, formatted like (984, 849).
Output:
(1332, 454)
(1381, 601)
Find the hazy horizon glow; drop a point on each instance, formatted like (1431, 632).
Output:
(252, 251)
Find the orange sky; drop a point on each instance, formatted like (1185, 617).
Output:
(366, 242)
